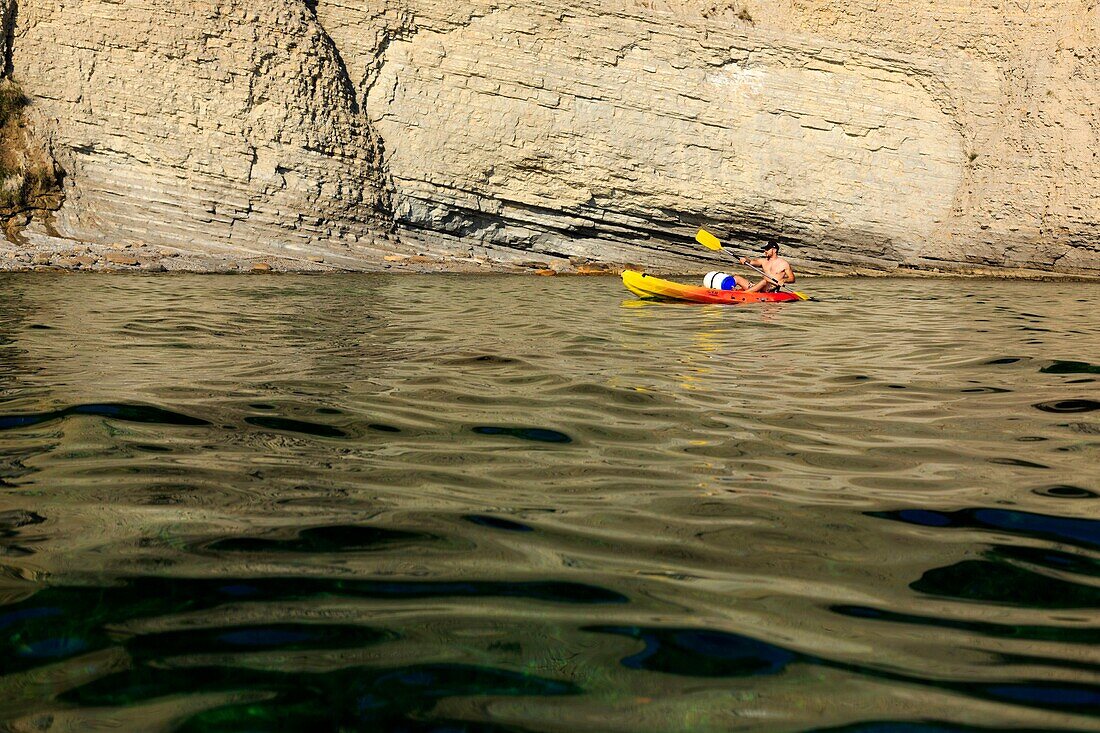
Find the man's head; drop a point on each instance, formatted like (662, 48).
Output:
(771, 249)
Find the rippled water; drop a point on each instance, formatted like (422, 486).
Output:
(515, 504)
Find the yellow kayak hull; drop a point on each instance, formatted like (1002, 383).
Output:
(654, 288)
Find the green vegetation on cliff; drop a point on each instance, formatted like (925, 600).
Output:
(28, 178)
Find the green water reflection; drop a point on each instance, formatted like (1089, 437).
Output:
(494, 504)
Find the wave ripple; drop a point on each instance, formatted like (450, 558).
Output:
(496, 504)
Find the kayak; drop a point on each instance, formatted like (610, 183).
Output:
(647, 286)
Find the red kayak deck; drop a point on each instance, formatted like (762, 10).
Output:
(647, 286)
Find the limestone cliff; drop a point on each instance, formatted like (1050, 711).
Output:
(218, 124)
(29, 178)
(945, 134)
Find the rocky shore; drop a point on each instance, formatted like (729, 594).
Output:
(43, 253)
(34, 252)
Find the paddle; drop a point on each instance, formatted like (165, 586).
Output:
(710, 241)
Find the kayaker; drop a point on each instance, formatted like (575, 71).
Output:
(775, 267)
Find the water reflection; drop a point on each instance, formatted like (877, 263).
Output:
(490, 504)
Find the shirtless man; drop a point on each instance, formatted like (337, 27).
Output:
(777, 269)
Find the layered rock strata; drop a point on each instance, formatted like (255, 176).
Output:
(945, 135)
(220, 125)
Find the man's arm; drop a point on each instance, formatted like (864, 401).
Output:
(788, 274)
(758, 263)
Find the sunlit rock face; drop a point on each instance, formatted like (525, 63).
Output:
(951, 135)
(221, 124)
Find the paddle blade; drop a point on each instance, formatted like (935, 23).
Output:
(708, 240)
(802, 296)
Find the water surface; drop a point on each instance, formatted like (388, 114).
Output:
(458, 503)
